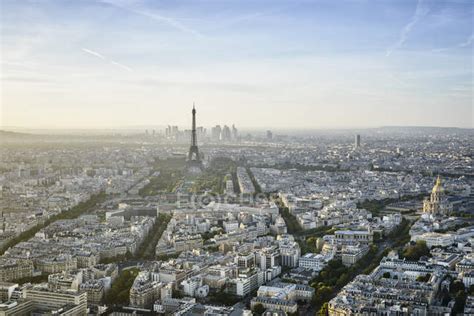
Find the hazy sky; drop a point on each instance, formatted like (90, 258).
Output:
(255, 63)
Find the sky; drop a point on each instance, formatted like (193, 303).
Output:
(255, 63)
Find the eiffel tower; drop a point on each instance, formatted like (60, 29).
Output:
(194, 159)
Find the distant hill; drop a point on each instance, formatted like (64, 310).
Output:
(421, 127)
(13, 134)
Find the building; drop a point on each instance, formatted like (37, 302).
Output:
(144, 292)
(434, 239)
(190, 285)
(350, 254)
(268, 257)
(216, 133)
(65, 281)
(231, 226)
(95, 290)
(315, 262)
(357, 141)
(44, 299)
(187, 242)
(6, 290)
(226, 134)
(468, 279)
(469, 307)
(15, 269)
(15, 308)
(57, 264)
(269, 135)
(279, 227)
(282, 296)
(245, 260)
(354, 236)
(393, 288)
(235, 132)
(438, 204)
(247, 281)
(289, 252)
(194, 287)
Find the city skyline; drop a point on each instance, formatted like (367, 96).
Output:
(236, 157)
(278, 64)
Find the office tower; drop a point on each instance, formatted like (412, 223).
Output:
(226, 133)
(216, 133)
(269, 135)
(357, 141)
(235, 132)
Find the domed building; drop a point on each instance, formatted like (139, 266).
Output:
(438, 204)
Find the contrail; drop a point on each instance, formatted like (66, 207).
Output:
(468, 42)
(99, 55)
(157, 17)
(420, 11)
(120, 65)
(96, 54)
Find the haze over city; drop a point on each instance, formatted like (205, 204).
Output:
(282, 64)
(236, 158)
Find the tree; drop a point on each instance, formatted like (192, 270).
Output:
(324, 293)
(119, 292)
(459, 303)
(445, 297)
(258, 309)
(416, 251)
(423, 278)
(456, 286)
(342, 280)
(386, 275)
(377, 236)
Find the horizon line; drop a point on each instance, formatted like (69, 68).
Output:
(145, 127)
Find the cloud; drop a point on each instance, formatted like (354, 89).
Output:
(468, 42)
(229, 86)
(157, 17)
(420, 12)
(99, 55)
(23, 79)
(170, 21)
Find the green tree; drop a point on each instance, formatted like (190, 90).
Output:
(119, 293)
(456, 286)
(416, 251)
(459, 303)
(258, 309)
(377, 236)
(423, 278)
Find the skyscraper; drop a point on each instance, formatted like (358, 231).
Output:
(216, 133)
(269, 135)
(235, 132)
(357, 141)
(226, 134)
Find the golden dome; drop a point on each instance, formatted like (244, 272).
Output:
(437, 187)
